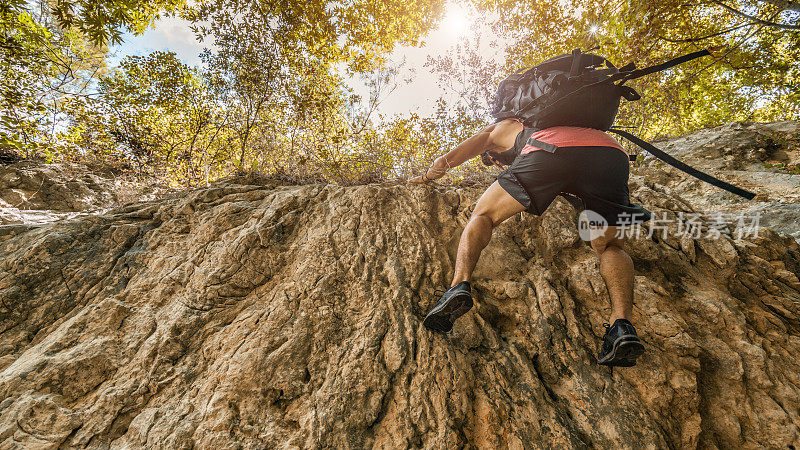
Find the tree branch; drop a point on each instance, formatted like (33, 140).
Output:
(755, 19)
(679, 41)
(785, 4)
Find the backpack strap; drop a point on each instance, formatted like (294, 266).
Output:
(575, 70)
(680, 165)
(549, 148)
(666, 65)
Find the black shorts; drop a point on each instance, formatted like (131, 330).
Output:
(598, 176)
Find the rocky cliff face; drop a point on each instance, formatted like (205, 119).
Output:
(761, 157)
(264, 316)
(33, 192)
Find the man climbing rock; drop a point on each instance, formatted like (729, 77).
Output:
(588, 164)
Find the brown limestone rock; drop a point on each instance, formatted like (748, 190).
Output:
(247, 316)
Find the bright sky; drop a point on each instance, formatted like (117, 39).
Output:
(417, 96)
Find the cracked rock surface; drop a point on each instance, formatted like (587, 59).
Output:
(34, 192)
(266, 316)
(761, 157)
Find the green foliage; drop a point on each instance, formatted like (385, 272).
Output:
(277, 70)
(50, 53)
(792, 169)
(270, 98)
(155, 113)
(26, 69)
(104, 21)
(271, 94)
(309, 33)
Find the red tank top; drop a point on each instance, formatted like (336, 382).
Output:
(572, 137)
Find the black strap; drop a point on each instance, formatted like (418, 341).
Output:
(666, 65)
(663, 156)
(594, 74)
(549, 148)
(629, 94)
(576, 63)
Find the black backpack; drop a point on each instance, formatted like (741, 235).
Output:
(583, 90)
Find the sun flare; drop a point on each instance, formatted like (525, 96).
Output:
(456, 21)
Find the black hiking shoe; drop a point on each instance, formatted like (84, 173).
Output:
(621, 346)
(453, 304)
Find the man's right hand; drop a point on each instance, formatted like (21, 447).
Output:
(418, 180)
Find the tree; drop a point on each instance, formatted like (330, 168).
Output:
(51, 51)
(155, 112)
(278, 67)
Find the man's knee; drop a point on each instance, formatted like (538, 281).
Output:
(485, 217)
(609, 238)
(602, 243)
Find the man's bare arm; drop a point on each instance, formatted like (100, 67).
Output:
(497, 137)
